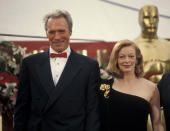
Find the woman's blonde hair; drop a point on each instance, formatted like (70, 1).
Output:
(113, 67)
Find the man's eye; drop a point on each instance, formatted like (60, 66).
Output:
(61, 31)
(51, 32)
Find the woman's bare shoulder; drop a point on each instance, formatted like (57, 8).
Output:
(149, 87)
(149, 84)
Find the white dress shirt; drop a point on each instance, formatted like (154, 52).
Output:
(58, 64)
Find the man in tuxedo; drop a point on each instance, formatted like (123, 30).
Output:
(164, 89)
(58, 88)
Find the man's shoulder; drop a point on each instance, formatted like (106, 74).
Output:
(35, 57)
(164, 80)
(84, 58)
(167, 75)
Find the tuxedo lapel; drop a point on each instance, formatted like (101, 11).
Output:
(45, 75)
(71, 69)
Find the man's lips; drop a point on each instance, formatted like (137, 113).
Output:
(58, 42)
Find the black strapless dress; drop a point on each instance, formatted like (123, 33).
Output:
(121, 111)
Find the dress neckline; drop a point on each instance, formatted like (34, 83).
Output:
(131, 95)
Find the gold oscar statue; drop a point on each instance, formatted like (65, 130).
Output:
(83, 52)
(102, 58)
(155, 50)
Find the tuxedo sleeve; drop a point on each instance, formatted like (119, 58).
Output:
(22, 107)
(92, 111)
(164, 88)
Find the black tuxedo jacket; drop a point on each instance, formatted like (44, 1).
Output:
(164, 89)
(71, 105)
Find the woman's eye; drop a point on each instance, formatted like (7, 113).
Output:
(132, 56)
(121, 56)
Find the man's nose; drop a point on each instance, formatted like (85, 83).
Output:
(57, 36)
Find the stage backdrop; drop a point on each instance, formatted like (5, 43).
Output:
(90, 48)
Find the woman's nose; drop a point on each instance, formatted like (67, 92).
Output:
(127, 59)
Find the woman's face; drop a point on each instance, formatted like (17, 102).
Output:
(127, 59)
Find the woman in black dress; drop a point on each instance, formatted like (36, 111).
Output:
(127, 98)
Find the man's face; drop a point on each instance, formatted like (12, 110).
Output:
(148, 20)
(58, 33)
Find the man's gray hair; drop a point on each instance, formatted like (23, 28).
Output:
(58, 14)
